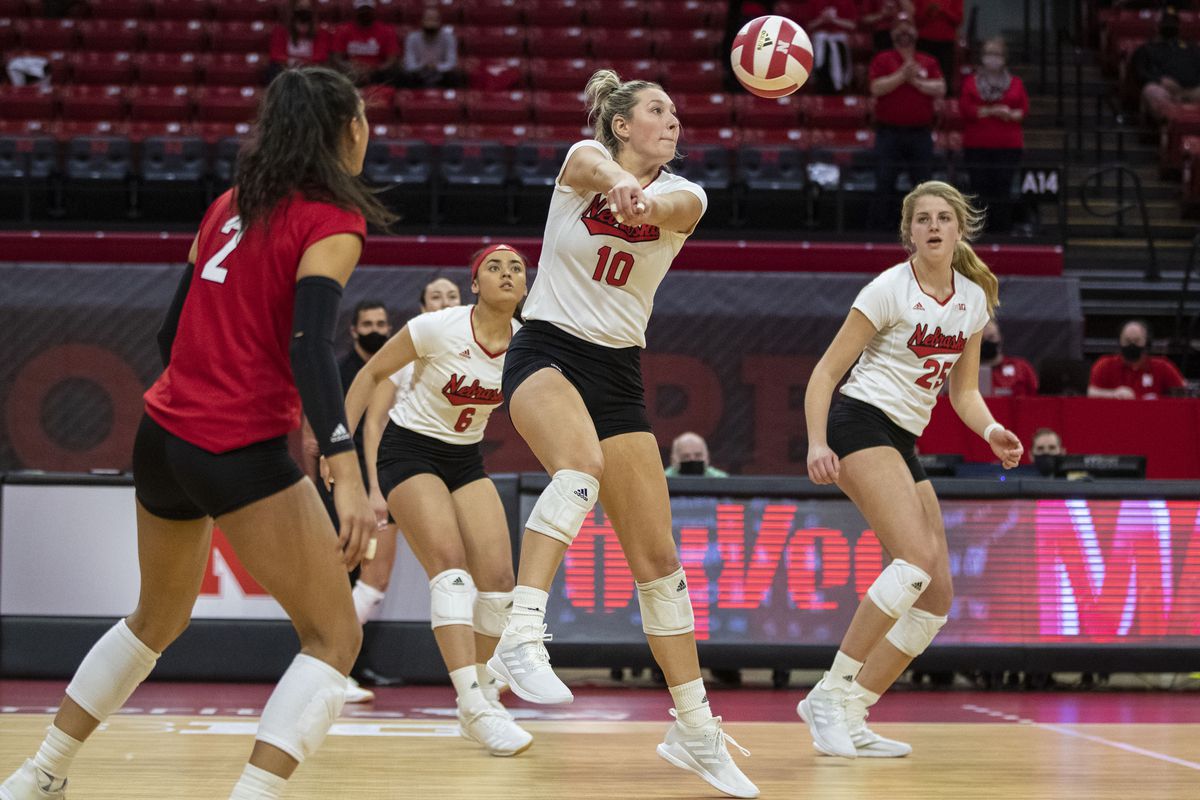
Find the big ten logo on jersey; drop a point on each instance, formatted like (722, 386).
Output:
(925, 345)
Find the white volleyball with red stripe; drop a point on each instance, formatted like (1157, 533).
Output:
(772, 56)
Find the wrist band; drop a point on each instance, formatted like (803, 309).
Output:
(987, 432)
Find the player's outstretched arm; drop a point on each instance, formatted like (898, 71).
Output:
(973, 411)
(856, 332)
(674, 211)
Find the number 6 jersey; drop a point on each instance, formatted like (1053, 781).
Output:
(596, 276)
(918, 339)
(456, 382)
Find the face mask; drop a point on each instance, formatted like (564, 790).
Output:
(371, 342)
(1045, 464)
(365, 17)
(988, 350)
(430, 30)
(691, 467)
(993, 62)
(1132, 352)
(303, 16)
(903, 40)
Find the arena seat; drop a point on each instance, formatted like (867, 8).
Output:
(92, 67)
(690, 45)
(181, 9)
(167, 69)
(430, 106)
(554, 13)
(234, 69)
(116, 9)
(48, 34)
(704, 110)
(493, 12)
(110, 34)
(615, 13)
(836, 111)
(160, 103)
(495, 74)
(171, 177)
(175, 35)
(492, 42)
(760, 112)
(707, 75)
(8, 34)
(559, 108)
(641, 69)
(727, 137)
(82, 102)
(557, 42)
(226, 103)
(684, 15)
(620, 43)
(498, 107)
(28, 102)
(560, 74)
(245, 10)
(404, 170)
(240, 37)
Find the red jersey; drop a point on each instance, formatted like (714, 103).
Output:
(992, 132)
(1150, 378)
(373, 46)
(298, 52)
(229, 383)
(1013, 377)
(938, 20)
(906, 106)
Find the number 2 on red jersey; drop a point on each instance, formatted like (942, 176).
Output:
(213, 271)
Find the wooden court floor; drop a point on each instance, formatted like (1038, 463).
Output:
(188, 757)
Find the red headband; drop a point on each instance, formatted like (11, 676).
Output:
(483, 257)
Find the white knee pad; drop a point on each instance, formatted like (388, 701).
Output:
(898, 587)
(666, 606)
(451, 596)
(301, 710)
(913, 632)
(564, 505)
(491, 612)
(112, 669)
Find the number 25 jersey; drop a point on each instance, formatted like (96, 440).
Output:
(230, 382)
(596, 276)
(918, 340)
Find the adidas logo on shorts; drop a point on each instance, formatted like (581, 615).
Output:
(582, 494)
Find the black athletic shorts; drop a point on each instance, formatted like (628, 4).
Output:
(404, 453)
(608, 379)
(855, 425)
(174, 479)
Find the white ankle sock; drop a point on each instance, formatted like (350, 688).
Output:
(366, 599)
(529, 608)
(57, 752)
(691, 703)
(486, 681)
(869, 698)
(258, 784)
(842, 674)
(466, 685)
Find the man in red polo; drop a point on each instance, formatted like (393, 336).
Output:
(1134, 374)
(905, 84)
(366, 48)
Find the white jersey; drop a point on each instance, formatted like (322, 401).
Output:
(597, 277)
(455, 385)
(918, 339)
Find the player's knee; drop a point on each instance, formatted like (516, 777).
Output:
(451, 598)
(158, 630)
(898, 587)
(564, 504)
(335, 642)
(939, 597)
(665, 562)
(666, 606)
(914, 631)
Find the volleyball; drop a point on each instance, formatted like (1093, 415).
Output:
(772, 56)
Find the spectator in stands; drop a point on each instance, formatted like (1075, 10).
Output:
(1168, 69)
(994, 105)
(1045, 446)
(904, 83)
(937, 34)
(689, 456)
(367, 49)
(1010, 376)
(1132, 373)
(829, 24)
(878, 17)
(26, 68)
(431, 53)
(298, 39)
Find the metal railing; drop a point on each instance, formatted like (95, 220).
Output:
(1121, 171)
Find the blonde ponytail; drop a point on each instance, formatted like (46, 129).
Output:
(965, 261)
(607, 97)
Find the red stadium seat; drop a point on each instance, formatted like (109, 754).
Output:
(608, 44)
(949, 115)
(557, 42)
(174, 35)
(160, 104)
(559, 108)
(507, 135)
(181, 9)
(120, 9)
(642, 69)
(87, 103)
(496, 74)
(437, 135)
(14, 8)
(704, 110)
(213, 132)
(109, 34)
(167, 69)
(841, 142)
(245, 10)
(493, 42)
(234, 69)
(8, 34)
(240, 37)
(758, 112)
(685, 45)
(949, 142)
(615, 13)
(450, 10)
(102, 68)
(847, 111)
(28, 102)
(685, 14)
(561, 133)
(694, 76)
(726, 137)
(553, 13)
(59, 67)
(139, 131)
(380, 102)
(226, 103)
(48, 34)
(430, 106)
(1133, 23)
(1181, 121)
(331, 12)
(492, 12)
(498, 107)
(796, 137)
(70, 130)
(560, 74)
(384, 130)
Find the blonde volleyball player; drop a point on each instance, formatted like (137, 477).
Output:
(573, 382)
(375, 574)
(906, 330)
(430, 469)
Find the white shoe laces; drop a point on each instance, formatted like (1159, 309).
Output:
(531, 641)
(722, 738)
(828, 699)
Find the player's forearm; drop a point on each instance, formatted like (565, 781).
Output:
(817, 399)
(972, 410)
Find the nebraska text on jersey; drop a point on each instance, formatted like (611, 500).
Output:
(473, 395)
(925, 344)
(601, 221)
